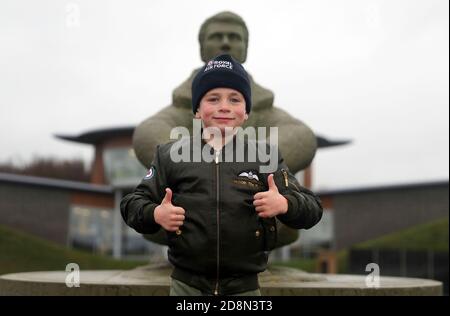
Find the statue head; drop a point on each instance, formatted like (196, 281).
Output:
(224, 32)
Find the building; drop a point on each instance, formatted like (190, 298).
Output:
(115, 162)
(86, 215)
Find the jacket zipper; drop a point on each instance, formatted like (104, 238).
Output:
(286, 181)
(216, 291)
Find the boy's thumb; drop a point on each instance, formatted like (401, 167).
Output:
(168, 196)
(271, 183)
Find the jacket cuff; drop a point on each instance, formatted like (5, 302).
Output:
(292, 212)
(149, 218)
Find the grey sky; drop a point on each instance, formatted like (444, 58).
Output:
(375, 72)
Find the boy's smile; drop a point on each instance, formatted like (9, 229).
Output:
(221, 108)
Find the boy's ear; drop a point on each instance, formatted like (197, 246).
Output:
(197, 115)
(246, 116)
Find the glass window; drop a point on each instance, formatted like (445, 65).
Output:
(320, 235)
(91, 229)
(122, 166)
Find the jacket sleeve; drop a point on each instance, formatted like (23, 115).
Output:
(304, 207)
(137, 208)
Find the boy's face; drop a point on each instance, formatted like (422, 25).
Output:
(222, 107)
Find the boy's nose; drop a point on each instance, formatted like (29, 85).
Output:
(224, 106)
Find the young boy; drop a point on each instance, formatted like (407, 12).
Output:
(220, 215)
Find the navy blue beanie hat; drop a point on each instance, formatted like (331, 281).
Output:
(222, 71)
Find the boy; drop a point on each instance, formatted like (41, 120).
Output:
(220, 216)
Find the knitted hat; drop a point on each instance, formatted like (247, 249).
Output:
(222, 71)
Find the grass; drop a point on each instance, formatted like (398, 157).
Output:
(305, 264)
(23, 252)
(20, 252)
(429, 236)
(310, 264)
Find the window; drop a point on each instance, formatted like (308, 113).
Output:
(91, 229)
(121, 165)
(320, 235)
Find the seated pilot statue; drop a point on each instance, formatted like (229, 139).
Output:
(226, 32)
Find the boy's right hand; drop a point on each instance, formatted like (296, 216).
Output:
(169, 216)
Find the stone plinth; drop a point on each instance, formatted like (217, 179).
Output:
(155, 280)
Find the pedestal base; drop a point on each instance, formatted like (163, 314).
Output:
(155, 280)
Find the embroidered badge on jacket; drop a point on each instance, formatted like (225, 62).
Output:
(249, 175)
(150, 173)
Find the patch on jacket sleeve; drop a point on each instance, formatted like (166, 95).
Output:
(150, 173)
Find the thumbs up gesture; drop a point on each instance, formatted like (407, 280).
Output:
(169, 216)
(270, 203)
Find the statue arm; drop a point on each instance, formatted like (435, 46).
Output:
(296, 140)
(156, 130)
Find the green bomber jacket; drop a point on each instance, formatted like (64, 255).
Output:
(223, 244)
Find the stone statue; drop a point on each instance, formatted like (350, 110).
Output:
(226, 32)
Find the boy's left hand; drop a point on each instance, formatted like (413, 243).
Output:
(270, 203)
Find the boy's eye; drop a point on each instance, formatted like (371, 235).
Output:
(235, 100)
(213, 99)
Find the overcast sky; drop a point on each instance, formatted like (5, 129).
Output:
(372, 71)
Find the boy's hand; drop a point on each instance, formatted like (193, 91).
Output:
(270, 203)
(169, 216)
